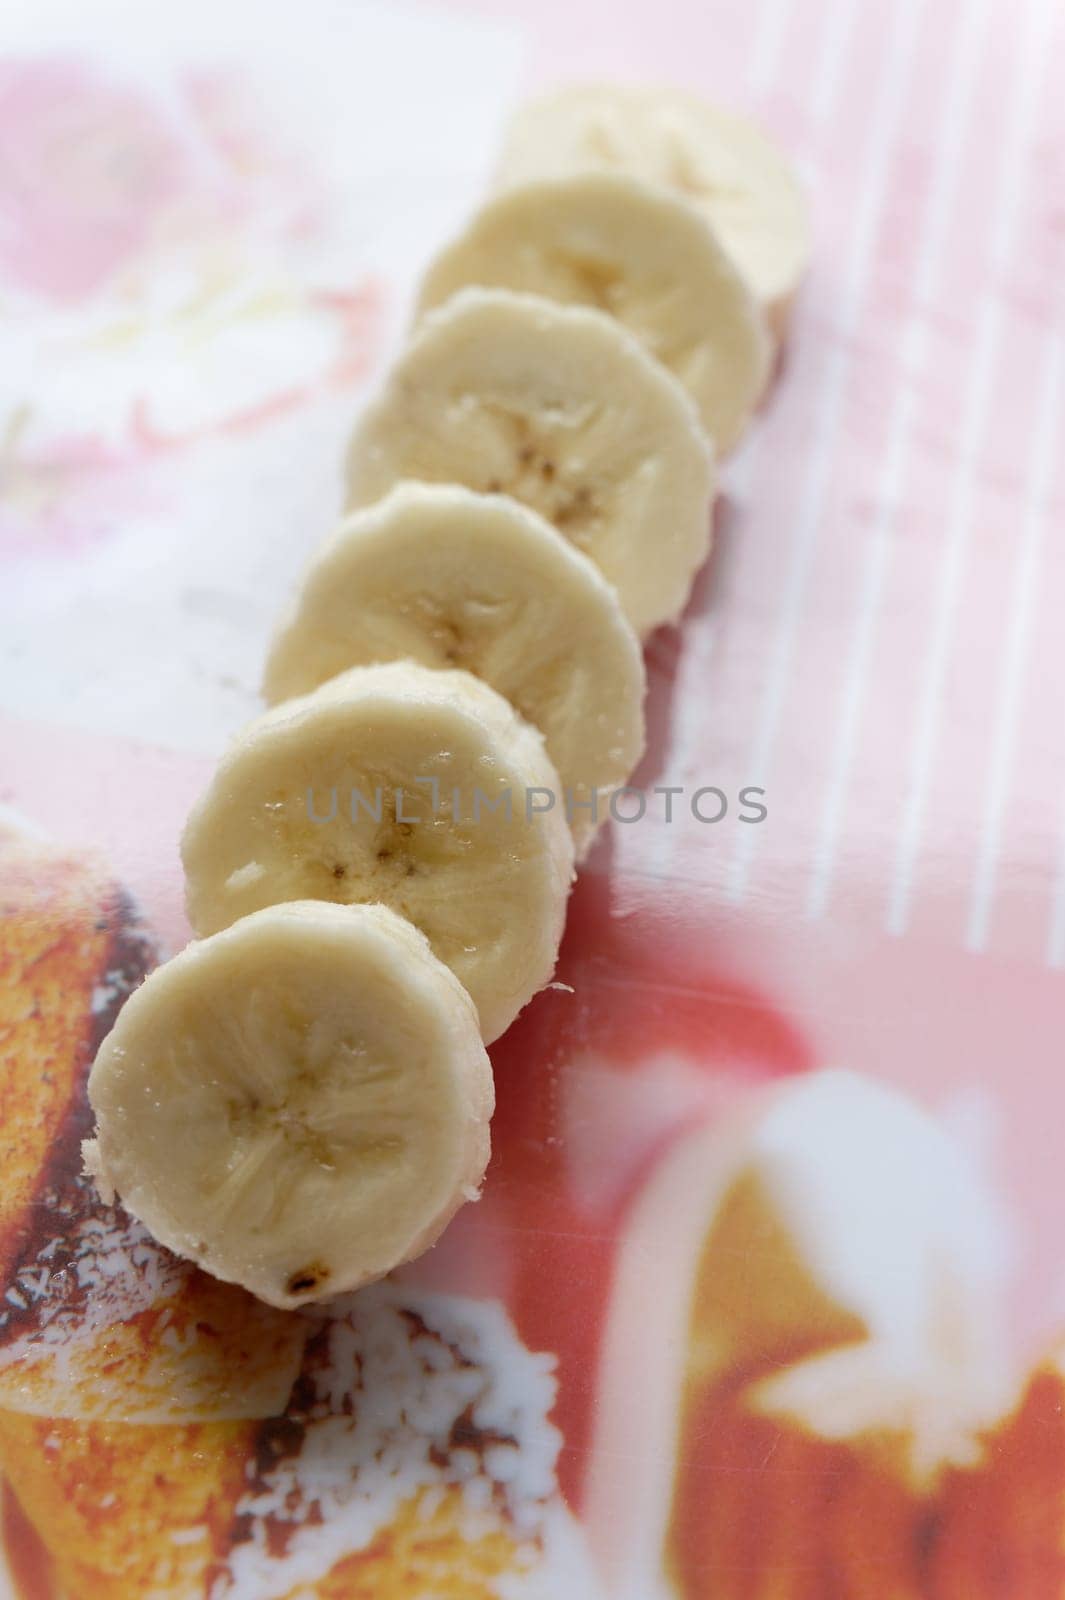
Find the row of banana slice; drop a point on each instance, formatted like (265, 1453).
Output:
(378, 872)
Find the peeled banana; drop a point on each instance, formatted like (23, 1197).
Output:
(379, 869)
(558, 407)
(720, 162)
(298, 1104)
(421, 790)
(440, 575)
(610, 242)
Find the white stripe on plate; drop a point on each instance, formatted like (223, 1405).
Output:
(884, 126)
(764, 64)
(979, 393)
(832, 55)
(1022, 606)
(957, 108)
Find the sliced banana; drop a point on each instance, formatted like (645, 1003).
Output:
(299, 1103)
(638, 252)
(721, 163)
(438, 574)
(560, 408)
(421, 790)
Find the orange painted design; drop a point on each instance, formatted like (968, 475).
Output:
(108, 1499)
(1003, 1529)
(29, 1562)
(764, 1511)
(58, 916)
(427, 1549)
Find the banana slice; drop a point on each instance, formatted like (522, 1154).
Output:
(421, 790)
(722, 163)
(298, 1104)
(560, 408)
(638, 252)
(437, 574)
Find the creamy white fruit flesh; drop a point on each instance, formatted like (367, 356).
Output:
(438, 574)
(561, 409)
(722, 163)
(348, 795)
(638, 253)
(298, 1103)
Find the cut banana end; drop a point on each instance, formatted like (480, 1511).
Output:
(561, 409)
(298, 1104)
(720, 162)
(421, 790)
(637, 252)
(440, 575)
